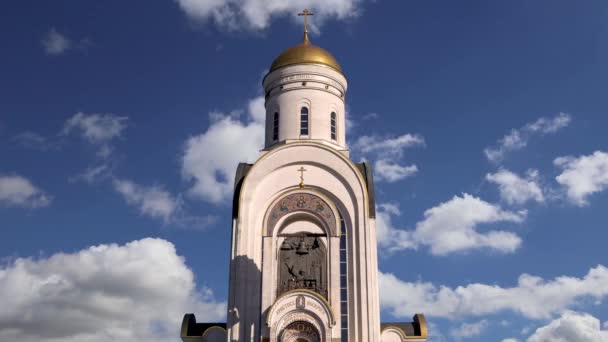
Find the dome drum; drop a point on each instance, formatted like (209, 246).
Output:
(291, 78)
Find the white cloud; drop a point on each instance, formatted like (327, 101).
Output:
(97, 129)
(257, 109)
(571, 326)
(518, 138)
(152, 201)
(55, 43)
(515, 189)
(134, 292)
(93, 174)
(532, 297)
(389, 237)
(386, 153)
(583, 176)
(17, 191)
(469, 329)
(510, 340)
(451, 227)
(387, 147)
(257, 14)
(392, 172)
(210, 159)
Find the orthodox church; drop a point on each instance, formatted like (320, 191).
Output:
(303, 262)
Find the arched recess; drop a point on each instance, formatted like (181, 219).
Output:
(288, 206)
(303, 264)
(300, 306)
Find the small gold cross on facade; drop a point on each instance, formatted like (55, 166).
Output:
(301, 170)
(306, 13)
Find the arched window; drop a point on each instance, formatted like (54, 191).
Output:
(304, 121)
(333, 125)
(275, 127)
(343, 281)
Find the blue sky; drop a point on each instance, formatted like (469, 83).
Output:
(485, 121)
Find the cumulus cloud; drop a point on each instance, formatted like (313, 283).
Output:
(389, 237)
(571, 326)
(55, 43)
(17, 191)
(151, 201)
(518, 138)
(210, 159)
(122, 293)
(515, 189)
(392, 172)
(387, 147)
(256, 15)
(533, 297)
(386, 152)
(469, 329)
(97, 129)
(451, 227)
(583, 176)
(510, 340)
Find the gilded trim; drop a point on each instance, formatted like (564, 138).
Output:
(213, 327)
(421, 320)
(399, 330)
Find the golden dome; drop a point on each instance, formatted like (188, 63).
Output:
(305, 53)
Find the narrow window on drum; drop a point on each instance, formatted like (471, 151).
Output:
(304, 121)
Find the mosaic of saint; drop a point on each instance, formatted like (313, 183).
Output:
(303, 264)
(303, 202)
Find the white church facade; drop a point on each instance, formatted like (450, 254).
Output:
(303, 264)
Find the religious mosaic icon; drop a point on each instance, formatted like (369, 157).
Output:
(303, 202)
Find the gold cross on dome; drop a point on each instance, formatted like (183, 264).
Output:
(301, 170)
(306, 13)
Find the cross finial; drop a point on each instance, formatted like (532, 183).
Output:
(301, 170)
(306, 13)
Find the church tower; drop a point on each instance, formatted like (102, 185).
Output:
(303, 262)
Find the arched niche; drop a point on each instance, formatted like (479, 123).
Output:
(302, 264)
(300, 306)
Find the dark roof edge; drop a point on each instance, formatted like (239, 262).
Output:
(241, 171)
(191, 329)
(366, 170)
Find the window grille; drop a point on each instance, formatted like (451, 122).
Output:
(343, 281)
(304, 121)
(333, 125)
(275, 127)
